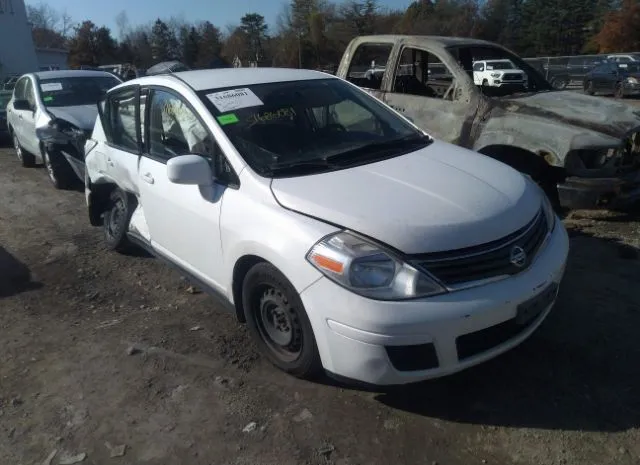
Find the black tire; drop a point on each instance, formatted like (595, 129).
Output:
(485, 83)
(26, 159)
(588, 88)
(619, 91)
(289, 342)
(58, 170)
(116, 221)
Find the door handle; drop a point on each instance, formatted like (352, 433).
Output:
(20, 117)
(148, 178)
(109, 162)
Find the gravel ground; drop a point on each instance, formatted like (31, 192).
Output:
(99, 350)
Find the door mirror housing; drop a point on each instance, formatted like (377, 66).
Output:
(22, 105)
(189, 169)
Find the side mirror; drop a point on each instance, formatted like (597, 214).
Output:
(189, 169)
(22, 105)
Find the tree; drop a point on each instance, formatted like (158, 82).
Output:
(620, 30)
(163, 42)
(49, 27)
(255, 30)
(190, 42)
(209, 46)
(82, 49)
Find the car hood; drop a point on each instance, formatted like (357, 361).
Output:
(81, 116)
(613, 118)
(439, 198)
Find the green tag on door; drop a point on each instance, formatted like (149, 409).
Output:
(227, 119)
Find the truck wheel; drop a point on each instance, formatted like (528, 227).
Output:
(116, 221)
(278, 321)
(60, 173)
(588, 88)
(485, 82)
(26, 159)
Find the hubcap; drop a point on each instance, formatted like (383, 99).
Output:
(17, 147)
(279, 325)
(117, 211)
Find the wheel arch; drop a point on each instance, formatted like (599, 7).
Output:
(240, 270)
(538, 165)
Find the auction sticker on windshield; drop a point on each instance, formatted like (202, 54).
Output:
(51, 86)
(234, 99)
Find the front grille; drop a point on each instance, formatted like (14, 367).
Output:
(413, 358)
(489, 260)
(512, 77)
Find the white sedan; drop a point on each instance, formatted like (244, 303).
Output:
(349, 240)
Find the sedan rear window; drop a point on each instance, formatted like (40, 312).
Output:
(72, 91)
(286, 124)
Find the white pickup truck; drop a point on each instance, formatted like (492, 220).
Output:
(497, 73)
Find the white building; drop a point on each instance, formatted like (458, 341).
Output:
(50, 59)
(17, 53)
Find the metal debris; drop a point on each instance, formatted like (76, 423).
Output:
(50, 457)
(303, 416)
(250, 427)
(116, 451)
(71, 459)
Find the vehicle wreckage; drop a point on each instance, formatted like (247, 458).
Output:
(583, 150)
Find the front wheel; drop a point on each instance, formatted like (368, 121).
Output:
(60, 173)
(278, 321)
(26, 159)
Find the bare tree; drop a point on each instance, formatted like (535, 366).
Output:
(122, 21)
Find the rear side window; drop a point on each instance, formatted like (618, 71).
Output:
(122, 118)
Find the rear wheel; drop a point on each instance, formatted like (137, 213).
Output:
(116, 221)
(588, 88)
(26, 159)
(278, 321)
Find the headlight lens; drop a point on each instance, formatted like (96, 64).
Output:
(368, 270)
(549, 212)
(632, 80)
(495, 75)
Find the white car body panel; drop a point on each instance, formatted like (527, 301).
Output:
(436, 199)
(420, 202)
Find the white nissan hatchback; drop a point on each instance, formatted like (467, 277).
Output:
(346, 238)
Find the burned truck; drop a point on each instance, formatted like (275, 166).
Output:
(584, 151)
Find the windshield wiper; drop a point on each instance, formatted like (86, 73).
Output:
(301, 166)
(381, 149)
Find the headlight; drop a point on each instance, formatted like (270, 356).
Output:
(496, 75)
(57, 128)
(369, 270)
(549, 212)
(632, 80)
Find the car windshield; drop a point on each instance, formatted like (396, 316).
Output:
(309, 126)
(4, 100)
(491, 65)
(72, 91)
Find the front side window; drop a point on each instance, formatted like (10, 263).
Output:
(174, 130)
(74, 91)
(20, 89)
(310, 126)
(423, 74)
(368, 65)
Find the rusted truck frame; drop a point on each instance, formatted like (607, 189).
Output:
(583, 150)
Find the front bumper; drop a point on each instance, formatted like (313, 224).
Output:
(630, 89)
(387, 343)
(591, 193)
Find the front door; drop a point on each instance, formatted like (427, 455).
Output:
(183, 220)
(424, 89)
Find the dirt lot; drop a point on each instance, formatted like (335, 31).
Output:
(71, 313)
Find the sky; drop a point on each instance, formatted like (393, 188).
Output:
(220, 12)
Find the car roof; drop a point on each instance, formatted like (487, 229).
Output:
(445, 41)
(70, 73)
(237, 77)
